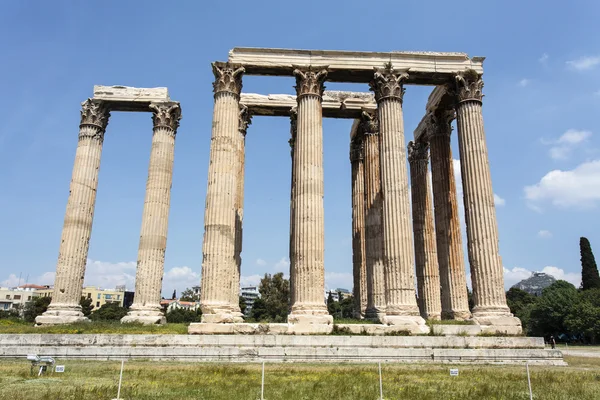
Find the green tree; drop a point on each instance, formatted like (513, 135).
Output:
(520, 303)
(346, 305)
(182, 315)
(109, 312)
(37, 306)
(242, 304)
(589, 270)
(9, 314)
(272, 305)
(551, 309)
(86, 306)
(188, 295)
(584, 318)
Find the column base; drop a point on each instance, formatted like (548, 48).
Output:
(146, 317)
(411, 323)
(456, 315)
(497, 320)
(375, 314)
(221, 313)
(432, 317)
(60, 315)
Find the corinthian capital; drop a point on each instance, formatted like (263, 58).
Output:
(310, 81)
(469, 86)
(440, 123)
(166, 115)
(418, 151)
(94, 113)
(228, 78)
(357, 149)
(369, 123)
(245, 119)
(387, 83)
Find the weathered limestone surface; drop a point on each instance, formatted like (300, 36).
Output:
(428, 276)
(153, 238)
(430, 68)
(401, 304)
(369, 128)
(125, 98)
(359, 265)
(292, 141)
(309, 223)
(335, 104)
(482, 230)
(218, 264)
(77, 227)
(276, 347)
(455, 302)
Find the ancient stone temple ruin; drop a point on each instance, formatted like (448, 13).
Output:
(391, 240)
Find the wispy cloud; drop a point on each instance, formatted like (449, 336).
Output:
(584, 63)
(544, 234)
(563, 147)
(524, 82)
(544, 59)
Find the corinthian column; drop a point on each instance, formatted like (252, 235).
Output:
(153, 238)
(428, 278)
(482, 230)
(245, 119)
(359, 268)
(309, 224)
(77, 228)
(373, 219)
(292, 141)
(455, 302)
(219, 266)
(401, 304)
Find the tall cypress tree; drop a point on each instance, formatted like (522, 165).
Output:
(589, 271)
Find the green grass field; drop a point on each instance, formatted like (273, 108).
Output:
(149, 380)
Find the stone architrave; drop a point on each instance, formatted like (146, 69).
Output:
(77, 228)
(369, 126)
(292, 141)
(219, 264)
(309, 223)
(245, 119)
(428, 277)
(480, 214)
(455, 301)
(146, 306)
(359, 267)
(401, 303)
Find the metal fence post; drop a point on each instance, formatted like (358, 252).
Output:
(380, 383)
(529, 381)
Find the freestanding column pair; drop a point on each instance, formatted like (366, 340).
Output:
(146, 306)
(401, 303)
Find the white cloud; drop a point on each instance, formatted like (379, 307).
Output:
(499, 201)
(544, 234)
(250, 280)
(544, 58)
(584, 63)
(261, 262)
(47, 278)
(579, 187)
(524, 82)
(563, 146)
(283, 265)
(334, 280)
(517, 274)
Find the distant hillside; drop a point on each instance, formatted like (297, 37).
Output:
(536, 283)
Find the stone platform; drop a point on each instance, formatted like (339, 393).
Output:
(284, 348)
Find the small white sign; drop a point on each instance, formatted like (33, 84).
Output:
(59, 368)
(454, 372)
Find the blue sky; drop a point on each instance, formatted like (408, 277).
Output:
(542, 87)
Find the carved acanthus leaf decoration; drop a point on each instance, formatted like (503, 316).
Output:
(94, 113)
(418, 151)
(245, 119)
(166, 115)
(228, 78)
(310, 81)
(387, 83)
(440, 123)
(469, 86)
(369, 123)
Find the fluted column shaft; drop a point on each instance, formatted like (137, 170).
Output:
(77, 228)
(482, 229)
(219, 265)
(359, 268)
(397, 227)
(455, 302)
(428, 277)
(309, 224)
(155, 217)
(292, 141)
(373, 219)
